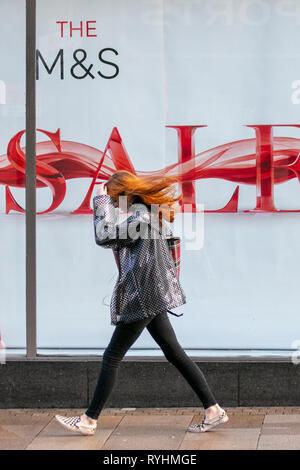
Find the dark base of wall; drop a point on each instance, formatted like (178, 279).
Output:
(141, 384)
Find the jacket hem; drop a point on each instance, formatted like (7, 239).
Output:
(140, 319)
(165, 309)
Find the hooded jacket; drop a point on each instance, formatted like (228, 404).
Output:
(147, 282)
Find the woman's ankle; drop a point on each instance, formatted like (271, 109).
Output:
(212, 411)
(87, 420)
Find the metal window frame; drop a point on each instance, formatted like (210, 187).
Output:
(30, 177)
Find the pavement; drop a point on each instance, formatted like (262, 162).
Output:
(274, 428)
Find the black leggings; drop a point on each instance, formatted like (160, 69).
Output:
(162, 332)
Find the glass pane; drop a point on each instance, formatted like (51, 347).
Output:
(228, 67)
(12, 175)
(93, 76)
(134, 68)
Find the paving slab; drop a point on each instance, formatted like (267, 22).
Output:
(222, 439)
(14, 444)
(153, 432)
(289, 419)
(18, 436)
(24, 418)
(279, 442)
(55, 437)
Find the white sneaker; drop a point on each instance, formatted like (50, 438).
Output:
(74, 424)
(207, 424)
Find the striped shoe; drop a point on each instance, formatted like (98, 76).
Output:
(73, 424)
(207, 424)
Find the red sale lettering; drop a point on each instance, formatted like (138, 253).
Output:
(265, 167)
(263, 161)
(46, 174)
(186, 152)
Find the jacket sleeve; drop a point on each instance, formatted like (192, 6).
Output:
(110, 234)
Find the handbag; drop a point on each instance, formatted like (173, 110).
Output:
(117, 258)
(174, 247)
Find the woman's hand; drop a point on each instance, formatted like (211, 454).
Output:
(102, 189)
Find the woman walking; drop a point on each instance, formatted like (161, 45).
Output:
(147, 288)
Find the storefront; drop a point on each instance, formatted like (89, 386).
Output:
(205, 89)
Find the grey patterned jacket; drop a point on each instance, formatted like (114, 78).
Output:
(147, 282)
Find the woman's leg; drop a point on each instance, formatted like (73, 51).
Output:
(122, 339)
(162, 332)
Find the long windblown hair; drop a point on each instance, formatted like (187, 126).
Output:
(148, 190)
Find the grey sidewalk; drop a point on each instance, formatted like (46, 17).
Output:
(153, 429)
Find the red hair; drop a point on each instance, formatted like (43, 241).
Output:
(147, 189)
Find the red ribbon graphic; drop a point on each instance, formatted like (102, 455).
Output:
(59, 160)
